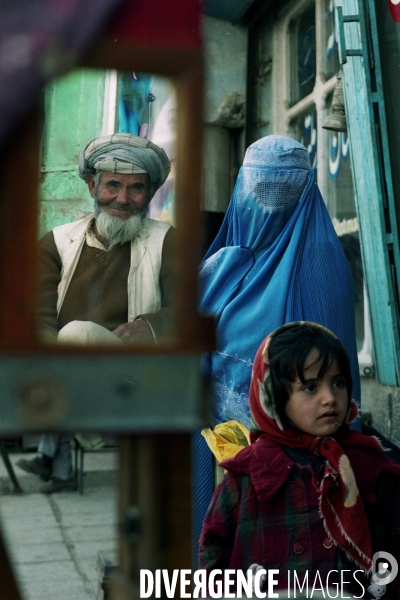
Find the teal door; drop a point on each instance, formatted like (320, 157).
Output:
(365, 110)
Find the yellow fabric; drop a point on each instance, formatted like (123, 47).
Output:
(226, 439)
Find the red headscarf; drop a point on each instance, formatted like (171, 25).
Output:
(341, 505)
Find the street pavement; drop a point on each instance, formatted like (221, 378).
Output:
(53, 540)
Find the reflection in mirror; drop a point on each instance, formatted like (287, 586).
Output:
(106, 242)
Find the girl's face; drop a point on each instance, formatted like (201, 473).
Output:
(319, 405)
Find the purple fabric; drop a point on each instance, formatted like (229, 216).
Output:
(38, 40)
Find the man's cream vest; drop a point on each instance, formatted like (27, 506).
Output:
(144, 294)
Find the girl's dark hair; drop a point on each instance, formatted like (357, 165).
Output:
(287, 353)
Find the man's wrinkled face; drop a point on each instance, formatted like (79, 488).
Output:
(121, 196)
(120, 204)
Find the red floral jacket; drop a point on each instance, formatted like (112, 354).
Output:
(266, 511)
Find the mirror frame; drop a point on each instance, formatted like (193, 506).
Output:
(18, 270)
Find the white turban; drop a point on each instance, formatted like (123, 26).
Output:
(126, 154)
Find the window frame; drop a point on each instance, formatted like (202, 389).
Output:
(284, 114)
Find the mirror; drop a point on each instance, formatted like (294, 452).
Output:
(81, 106)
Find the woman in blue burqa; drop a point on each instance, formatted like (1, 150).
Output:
(276, 259)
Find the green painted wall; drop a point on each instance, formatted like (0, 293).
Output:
(73, 116)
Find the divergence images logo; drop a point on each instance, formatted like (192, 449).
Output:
(380, 570)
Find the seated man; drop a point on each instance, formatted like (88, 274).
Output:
(107, 277)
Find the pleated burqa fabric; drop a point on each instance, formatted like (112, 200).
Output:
(276, 259)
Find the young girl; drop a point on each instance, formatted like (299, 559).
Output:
(309, 495)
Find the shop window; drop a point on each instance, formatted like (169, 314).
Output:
(305, 64)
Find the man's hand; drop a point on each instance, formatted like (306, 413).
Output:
(136, 332)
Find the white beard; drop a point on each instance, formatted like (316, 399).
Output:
(116, 230)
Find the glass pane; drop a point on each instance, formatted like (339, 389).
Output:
(330, 57)
(304, 129)
(340, 201)
(339, 198)
(303, 56)
(109, 265)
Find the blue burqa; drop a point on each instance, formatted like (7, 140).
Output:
(276, 259)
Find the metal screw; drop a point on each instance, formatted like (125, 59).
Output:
(43, 402)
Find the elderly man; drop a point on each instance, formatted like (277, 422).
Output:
(107, 277)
